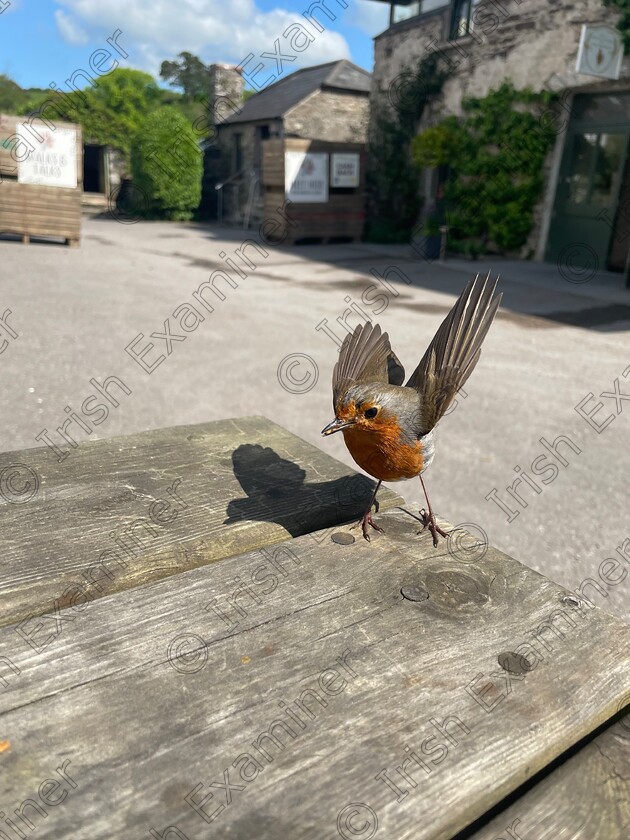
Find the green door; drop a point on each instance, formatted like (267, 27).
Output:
(588, 193)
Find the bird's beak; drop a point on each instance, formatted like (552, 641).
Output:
(336, 426)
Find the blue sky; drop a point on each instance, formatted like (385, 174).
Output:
(44, 41)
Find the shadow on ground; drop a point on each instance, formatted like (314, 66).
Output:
(535, 295)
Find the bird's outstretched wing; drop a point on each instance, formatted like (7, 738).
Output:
(365, 356)
(455, 350)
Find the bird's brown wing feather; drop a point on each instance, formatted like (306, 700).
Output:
(365, 356)
(452, 355)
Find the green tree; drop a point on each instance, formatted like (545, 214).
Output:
(189, 73)
(112, 112)
(15, 100)
(12, 97)
(167, 165)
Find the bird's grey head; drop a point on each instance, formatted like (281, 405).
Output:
(367, 406)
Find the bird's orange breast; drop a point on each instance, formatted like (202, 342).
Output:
(382, 454)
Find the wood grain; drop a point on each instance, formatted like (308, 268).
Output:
(586, 798)
(142, 732)
(88, 531)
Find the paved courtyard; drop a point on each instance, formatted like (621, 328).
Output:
(269, 347)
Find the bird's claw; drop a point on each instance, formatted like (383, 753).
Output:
(429, 522)
(366, 520)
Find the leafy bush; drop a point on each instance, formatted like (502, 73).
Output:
(495, 157)
(386, 232)
(623, 25)
(167, 164)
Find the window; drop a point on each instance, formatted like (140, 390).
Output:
(462, 22)
(238, 152)
(404, 11)
(262, 133)
(606, 107)
(596, 168)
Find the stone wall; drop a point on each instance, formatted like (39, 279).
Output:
(235, 196)
(325, 115)
(532, 42)
(330, 115)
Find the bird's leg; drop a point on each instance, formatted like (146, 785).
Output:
(366, 519)
(429, 519)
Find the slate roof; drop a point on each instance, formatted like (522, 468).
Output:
(274, 101)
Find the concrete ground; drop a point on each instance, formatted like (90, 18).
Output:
(554, 345)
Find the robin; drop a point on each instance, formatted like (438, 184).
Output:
(388, 427)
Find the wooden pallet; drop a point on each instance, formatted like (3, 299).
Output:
(30, 210)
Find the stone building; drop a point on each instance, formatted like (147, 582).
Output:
(535, 43)
(327, 102)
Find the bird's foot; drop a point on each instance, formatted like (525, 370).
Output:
(429, 522)
(366, 520)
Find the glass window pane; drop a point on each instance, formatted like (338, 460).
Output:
(430, 5)
(460, 24)
(405, 12)
(578, 178)
(414, 9)
(613, 107)
(608, 170)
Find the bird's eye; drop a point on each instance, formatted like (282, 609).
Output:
(371, 412)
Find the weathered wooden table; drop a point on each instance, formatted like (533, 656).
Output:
(195, 645)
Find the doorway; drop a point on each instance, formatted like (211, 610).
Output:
(591, 181)
(94, 169)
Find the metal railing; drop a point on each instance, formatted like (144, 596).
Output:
(253, 186)
(219, 188)
(236, 180)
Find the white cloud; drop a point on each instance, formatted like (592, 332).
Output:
(69, 29)
(369, 16)
(215, 30)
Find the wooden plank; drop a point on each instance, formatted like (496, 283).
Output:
(40, 208)
(32, 228)
(31, 224)
(59, 194)
(153, 694)
(272, 170)
(247, 483)
(586, 797)
(39, 214)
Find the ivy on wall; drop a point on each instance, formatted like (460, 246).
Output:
(494, 159)
(392, 182)
(623, 25)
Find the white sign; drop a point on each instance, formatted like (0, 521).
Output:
(52, 161)
(306, 177)
(344, 170)
(601, 52)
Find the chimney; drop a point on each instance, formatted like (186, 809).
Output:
(226, 80)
